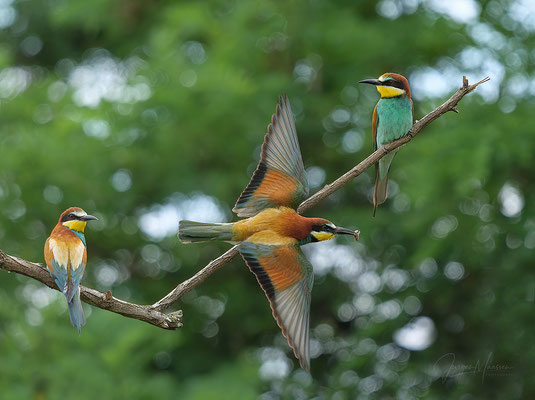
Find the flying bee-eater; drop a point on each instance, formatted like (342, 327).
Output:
(270, 238)
(66, 256)
(391, 120)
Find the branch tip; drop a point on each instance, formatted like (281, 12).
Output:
(153, 314)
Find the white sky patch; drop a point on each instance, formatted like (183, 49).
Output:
(275, 364)
(8, 14)
(53, 194)
(462, 11)
(315, 176)
(523, 11)
(97, 128)
(445, 77)
(121, 180)
(443, 226)
(195, 52)
(454, 270)
(14, 81)
(40, 297)
(511, 200)
(103, 77)
(484, 34)
(352, 141)
(389, 9)
(161, 220)
(431, 82)
(188, 78)
(417, 335)
(342, 259)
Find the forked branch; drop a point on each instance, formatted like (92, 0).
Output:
(153, 314)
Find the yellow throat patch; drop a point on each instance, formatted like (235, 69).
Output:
(75, 225)
(320, 236)
(389, 91)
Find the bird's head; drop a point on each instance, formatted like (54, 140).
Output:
(75, 219)
(323, 229)
(390, 85)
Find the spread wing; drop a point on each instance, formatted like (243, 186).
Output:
(279, 178)
(286, 277)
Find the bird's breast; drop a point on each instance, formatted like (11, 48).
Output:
(394, 119)
(67, 251)
(282, 221)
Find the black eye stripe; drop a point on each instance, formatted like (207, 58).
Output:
(323, 228)
(394, 83)
(69, 217)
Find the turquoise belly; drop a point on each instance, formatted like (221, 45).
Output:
(394, 119)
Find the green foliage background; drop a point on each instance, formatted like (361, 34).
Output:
(135, 108)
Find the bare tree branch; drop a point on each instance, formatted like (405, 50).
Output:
(101, 300)
(449, 105)
(153, 314)
(214, 265)
(196, 279)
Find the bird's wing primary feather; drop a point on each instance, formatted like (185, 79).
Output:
(78, 260)
(66, 263)
(286, 277)
(56, 258)
(279, 178)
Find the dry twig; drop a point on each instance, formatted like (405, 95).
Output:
(153, 314)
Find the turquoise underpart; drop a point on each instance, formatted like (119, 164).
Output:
(80, 235)
(394, 120)
(306, 240)
(394, 116)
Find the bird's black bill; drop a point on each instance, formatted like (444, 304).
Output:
(375, 82)
(344, 231)
(88, 218)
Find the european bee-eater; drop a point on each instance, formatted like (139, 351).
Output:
(270, 238)
(392, 119)
(66, 256)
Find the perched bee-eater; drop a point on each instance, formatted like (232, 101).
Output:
(66, 256)
(392, 119)
(270, 238)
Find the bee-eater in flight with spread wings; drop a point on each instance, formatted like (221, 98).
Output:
(66, 256)
(270, 238)
(391, 120)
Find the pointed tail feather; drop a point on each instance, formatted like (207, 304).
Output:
(382, 168)
(190, 232)
(76, 312)
(380, 191)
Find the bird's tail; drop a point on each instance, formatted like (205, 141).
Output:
(190, 231)
(382, 168)
(380, 191)
(76, 312)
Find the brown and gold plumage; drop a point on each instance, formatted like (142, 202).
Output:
(66, 257)
(270, 238)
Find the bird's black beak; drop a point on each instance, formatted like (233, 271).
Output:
(375, 82)
(88, 218)
(345, 231)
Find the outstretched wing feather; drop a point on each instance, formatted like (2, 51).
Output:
(286, 277)
(280, 178)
